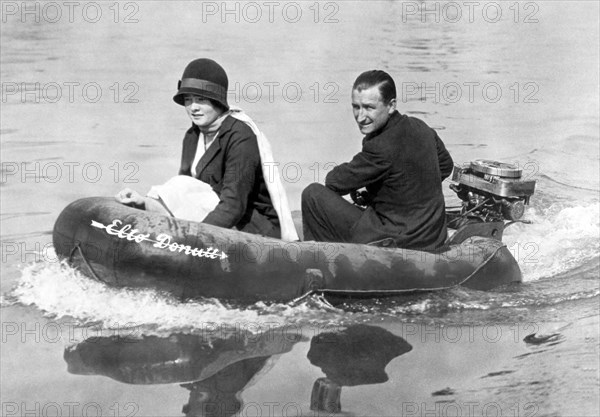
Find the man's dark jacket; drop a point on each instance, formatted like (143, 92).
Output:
(402, 166)
(231, 165)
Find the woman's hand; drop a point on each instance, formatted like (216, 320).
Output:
(130, 197)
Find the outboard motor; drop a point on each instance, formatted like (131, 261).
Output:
(491, 193)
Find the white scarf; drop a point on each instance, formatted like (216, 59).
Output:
(272, 179)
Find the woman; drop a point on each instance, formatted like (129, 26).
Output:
(221, 180)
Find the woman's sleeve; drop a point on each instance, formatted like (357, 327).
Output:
(241, 164)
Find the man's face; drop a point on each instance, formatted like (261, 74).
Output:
(370, 112)
(202, 112)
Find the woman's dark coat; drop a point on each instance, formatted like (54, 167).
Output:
(232, 167)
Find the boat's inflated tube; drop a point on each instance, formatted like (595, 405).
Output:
(123, 246)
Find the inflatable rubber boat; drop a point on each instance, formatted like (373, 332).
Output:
(126, 247)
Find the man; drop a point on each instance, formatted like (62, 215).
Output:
(402, 165)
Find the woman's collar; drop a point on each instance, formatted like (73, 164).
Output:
(216, 125)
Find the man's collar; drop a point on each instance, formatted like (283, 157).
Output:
(392, 120)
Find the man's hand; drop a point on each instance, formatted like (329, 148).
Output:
(130, 197)
(361, 198)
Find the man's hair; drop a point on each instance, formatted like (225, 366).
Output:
(378, 78)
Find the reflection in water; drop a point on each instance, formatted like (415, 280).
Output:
(219, 394)
(357, 355)
(220, 368)
(216, 370)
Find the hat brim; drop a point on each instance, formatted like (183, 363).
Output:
(179, 98)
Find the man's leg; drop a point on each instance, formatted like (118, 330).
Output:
(326, 216)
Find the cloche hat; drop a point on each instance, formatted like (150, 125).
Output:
(203, 77)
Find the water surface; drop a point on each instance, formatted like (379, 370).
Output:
(517, 91)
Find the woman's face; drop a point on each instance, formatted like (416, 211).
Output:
(202, 112)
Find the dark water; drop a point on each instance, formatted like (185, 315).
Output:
(523, 89)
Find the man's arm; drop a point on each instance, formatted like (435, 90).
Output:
(444, 158)
(241, 164)
(367, 167)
